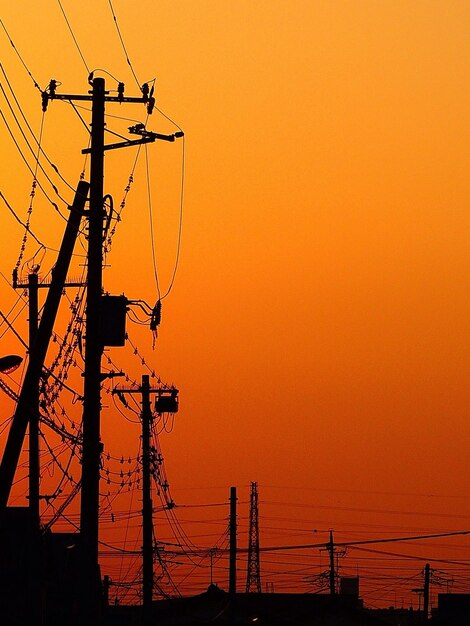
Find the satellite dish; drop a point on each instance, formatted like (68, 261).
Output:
(10, 363)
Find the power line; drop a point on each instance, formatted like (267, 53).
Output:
(411, 556)
(347, 544)
(152, 237)
(180, 222)
(40, 151)
(12, 211)
(20, 57)
(30, 168)
(54, 167)
(122, 43)
(73, 36)
(361, 510)
(180, 226)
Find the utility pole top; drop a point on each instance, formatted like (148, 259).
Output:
(50, 93)
(147, 98)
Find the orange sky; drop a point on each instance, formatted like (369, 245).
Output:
(318, 326)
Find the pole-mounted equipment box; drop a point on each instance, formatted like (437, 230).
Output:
(113, 320)
(166, 401)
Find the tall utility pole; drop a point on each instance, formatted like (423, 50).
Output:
(34, 466)
(92, 447)
(89, 503)
(147, 530)
(232, 584)
(34, 469)
(38, 351)
(167, 402)
(55, 288)
(253, 578)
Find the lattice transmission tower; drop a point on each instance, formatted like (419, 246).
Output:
(253, 579)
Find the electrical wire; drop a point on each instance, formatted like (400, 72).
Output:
(54, 205)
(180, 226)
(122, 43)
(19, 56)
(38, 165)
(54, 167)
(73, 37)
(152, 237)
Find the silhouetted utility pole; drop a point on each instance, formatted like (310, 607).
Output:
(212, 551)
(331, 550)
(427, 577)
(253, 578)
(38, 351)
(232, 584)
(92, 446)
(35, 563)
(34, 469)
(106, 586)
(167, 402)
(147, 530)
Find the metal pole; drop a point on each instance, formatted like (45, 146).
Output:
(89, 509)
(232, 586)
(147, 530)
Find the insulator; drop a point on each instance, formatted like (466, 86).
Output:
(145, 91)
(45, 100)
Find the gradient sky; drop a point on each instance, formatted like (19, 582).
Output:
(318, 326)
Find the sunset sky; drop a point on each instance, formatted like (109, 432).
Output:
(318, 326)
